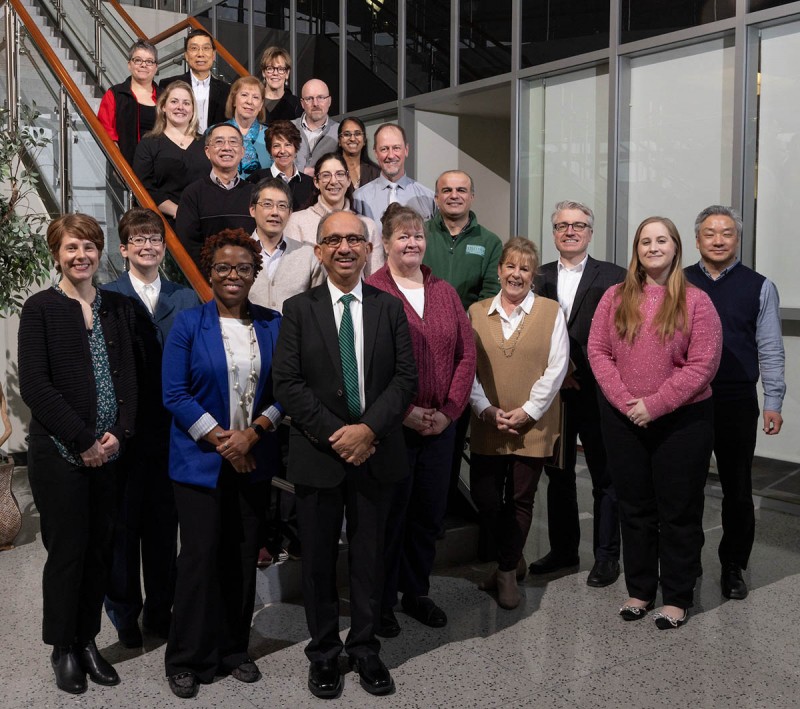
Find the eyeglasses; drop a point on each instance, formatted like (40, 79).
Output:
(223, 270)
(352, 134)
(219, 143)
(279, 70)
(312, 99)
(155, 240)
(202, 49)
(138, 61)
(577, 227)
(328, 176)
(336, 240)
(267, 204)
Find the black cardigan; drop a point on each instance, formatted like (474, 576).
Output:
(56, 379)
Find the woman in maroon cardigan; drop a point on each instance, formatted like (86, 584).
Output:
(445, 353)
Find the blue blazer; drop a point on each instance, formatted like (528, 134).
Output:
(195, 381)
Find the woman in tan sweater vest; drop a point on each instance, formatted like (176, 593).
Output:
(522, 358)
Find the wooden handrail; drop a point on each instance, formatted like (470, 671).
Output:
(123, 13)
(183, 259)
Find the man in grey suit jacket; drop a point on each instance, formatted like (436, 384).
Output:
(147, 525)
(577, 282)
(319, 133)
(344, 371)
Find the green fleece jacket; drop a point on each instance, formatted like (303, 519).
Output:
(468, 262)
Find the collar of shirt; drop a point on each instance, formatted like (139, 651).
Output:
(573, 269)
(306, 127)
(225, 185)
(336, 293)
(277, 173)
(138, 285)
(722, 273)
(524, 306)
(384, 183)
(200, 83)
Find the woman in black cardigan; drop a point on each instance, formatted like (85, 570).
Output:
(77, 376)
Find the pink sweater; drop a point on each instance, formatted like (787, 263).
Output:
(666, 375)
(443, 344)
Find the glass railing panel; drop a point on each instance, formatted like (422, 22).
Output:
(79, 29)
(427, 46)
(484, 47)
(371, 53)
(555, 30)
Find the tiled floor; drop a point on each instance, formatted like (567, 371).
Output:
(563, 647)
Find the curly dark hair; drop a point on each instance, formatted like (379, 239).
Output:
(229, 237)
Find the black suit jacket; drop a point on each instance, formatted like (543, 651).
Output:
(308, 383)
(597, 278)
(217, 95)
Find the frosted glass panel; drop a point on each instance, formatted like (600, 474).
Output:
(678, 156)
(778, 182)
(564, 153)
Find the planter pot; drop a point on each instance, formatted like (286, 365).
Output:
(10, 516)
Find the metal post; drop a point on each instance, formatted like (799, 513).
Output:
(12, 61)
(63, 150)
(98, 40)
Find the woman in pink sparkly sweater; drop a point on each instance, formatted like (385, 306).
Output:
(654, 347)
(445, 353)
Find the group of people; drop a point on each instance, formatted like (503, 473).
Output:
(383, 323)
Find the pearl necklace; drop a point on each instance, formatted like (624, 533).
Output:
(247, 396)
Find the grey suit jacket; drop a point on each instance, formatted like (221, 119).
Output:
(326, 143)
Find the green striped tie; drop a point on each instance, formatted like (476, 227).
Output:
(347, 350)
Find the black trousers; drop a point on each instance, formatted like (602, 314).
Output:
(582, 418)
(503, 488)
(216, 582)
(364, 502)
(659, 474)
(416, 513)
(735, 431)
(145, 539)
(76, 514)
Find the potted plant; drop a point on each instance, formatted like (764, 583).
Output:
(24, 262)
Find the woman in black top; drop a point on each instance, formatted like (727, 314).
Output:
(281, 104)
(172, 155)
(78, 377)
(353, 148)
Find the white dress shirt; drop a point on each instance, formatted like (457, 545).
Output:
(546, 387)
(201, 91)
(150, 300)
(356, 311)
(270, 261)
(569, 278)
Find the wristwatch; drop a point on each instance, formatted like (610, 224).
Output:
(258, 428)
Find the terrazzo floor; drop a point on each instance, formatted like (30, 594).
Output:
(564, 646)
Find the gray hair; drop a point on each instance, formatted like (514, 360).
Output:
(723, 211)
(568, 204)
(324, 219)
(144, 45)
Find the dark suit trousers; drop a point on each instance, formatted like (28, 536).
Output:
(215, 589)
(146, 532)
(735, 431)
(582, 419)
(660, 474)
(76, 514)
(503, 488)
(414, 520)
(364, 502)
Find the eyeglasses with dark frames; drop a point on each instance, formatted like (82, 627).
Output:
(223, 270)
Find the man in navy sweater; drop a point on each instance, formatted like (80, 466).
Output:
(752, 344)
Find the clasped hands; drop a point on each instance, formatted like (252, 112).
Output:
(638, 413)
(426, 422)
(353, 443)
(100, 451)
(235, 446)
(507, 421)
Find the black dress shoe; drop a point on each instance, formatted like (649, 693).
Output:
(246, 672)
(130, 637)
(733, 585)
(69, 675)
(183, 685)
(667, 622)
(423, 609)
(95, 665)
(636, 612)
(553, 562)
(603, 573)
(388, 627)
(324, 679)
(375, 678)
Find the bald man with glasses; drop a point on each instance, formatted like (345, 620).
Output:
(319, 133)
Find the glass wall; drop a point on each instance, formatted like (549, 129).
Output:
(563, 153)
(484, 33)
(318, 46)
(371, 53)
(427, 46)
(677, 156)
(646, 18)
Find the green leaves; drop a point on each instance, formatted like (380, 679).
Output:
(24, 256)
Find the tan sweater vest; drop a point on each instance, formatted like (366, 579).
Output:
(507, 381)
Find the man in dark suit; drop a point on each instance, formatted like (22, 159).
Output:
(577, 282)
(210, 93)
(344, 370)
(147, 522)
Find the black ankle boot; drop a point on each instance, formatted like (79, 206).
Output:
(69, 675)
(95, 665)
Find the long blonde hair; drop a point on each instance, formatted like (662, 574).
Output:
(672, 315)
(161, 115)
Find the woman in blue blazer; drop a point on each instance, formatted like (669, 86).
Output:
(217, 383)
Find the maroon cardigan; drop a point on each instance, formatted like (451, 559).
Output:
(444, 348)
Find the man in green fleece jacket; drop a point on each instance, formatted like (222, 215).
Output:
(459, 250)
